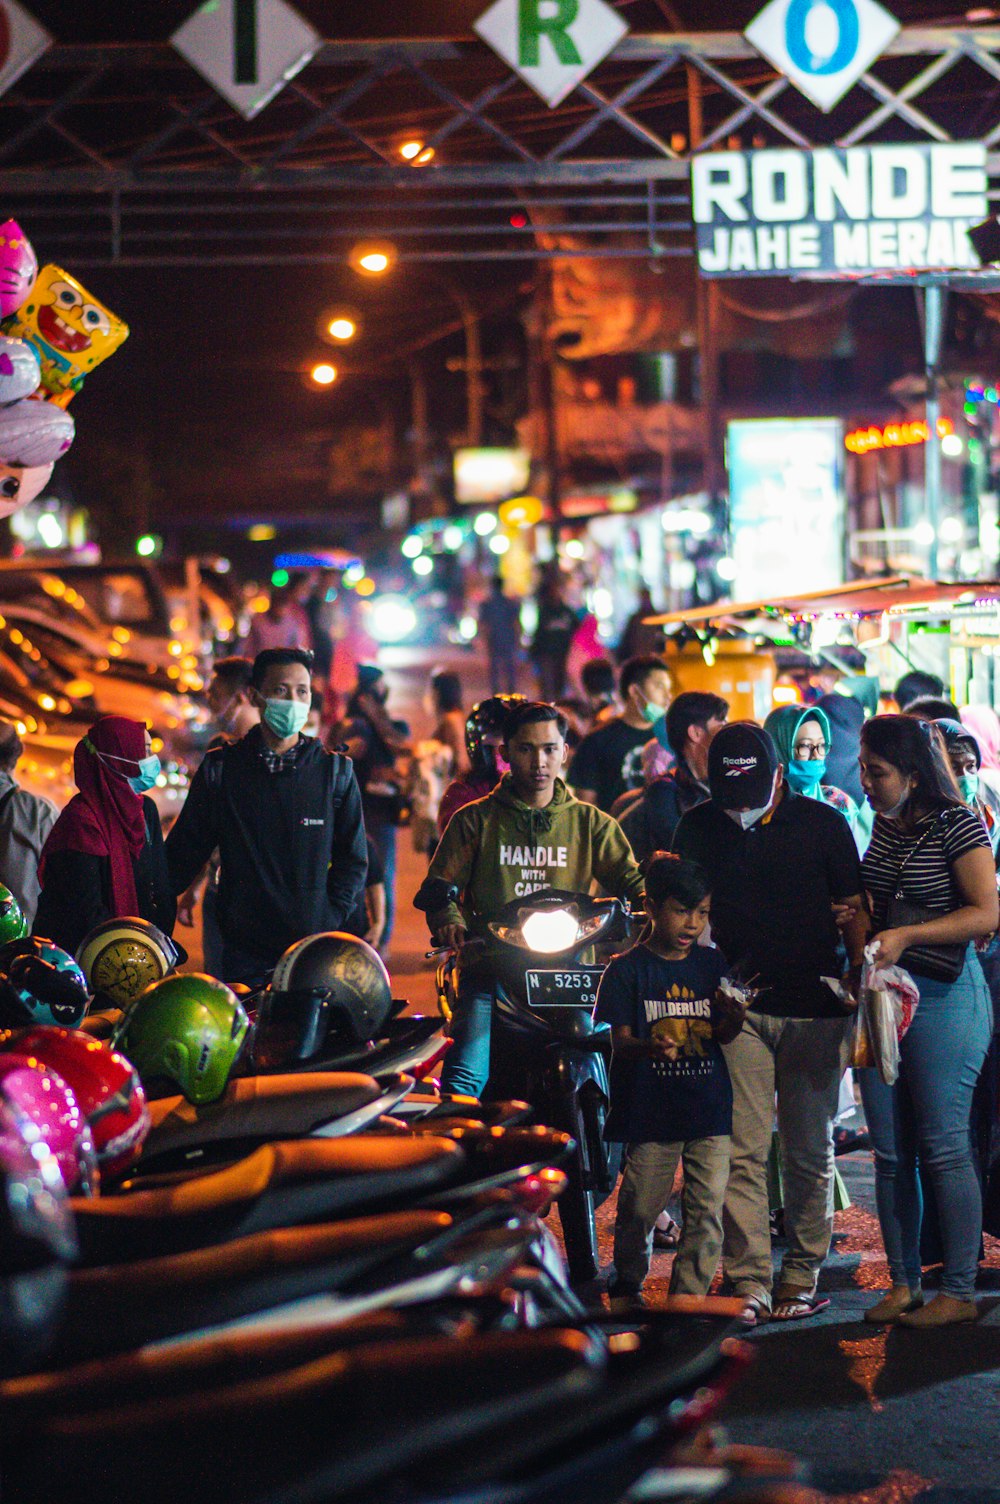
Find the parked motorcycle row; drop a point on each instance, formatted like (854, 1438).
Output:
(246, 1246)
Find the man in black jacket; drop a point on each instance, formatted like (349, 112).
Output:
(653, 815)
(285, 815)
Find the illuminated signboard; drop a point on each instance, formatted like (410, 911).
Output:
(837, 209)
(894, 435)
(490, 475)
(786, 500)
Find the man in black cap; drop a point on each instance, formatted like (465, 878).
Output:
(777, 863)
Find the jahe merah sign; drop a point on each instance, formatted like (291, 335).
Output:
(838, 209)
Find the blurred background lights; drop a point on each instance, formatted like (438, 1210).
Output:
(451, 539)
(411, 547)
(726, 568)
(423, 564)
(484, 524)
(391, 619)
(499, 543)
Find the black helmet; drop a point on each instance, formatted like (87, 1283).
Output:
(327, 990)
(486, 717)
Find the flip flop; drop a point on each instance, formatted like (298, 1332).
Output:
(805, 1303)
(755, 1311)
(667, 1237)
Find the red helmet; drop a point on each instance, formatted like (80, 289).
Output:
(104, 1083)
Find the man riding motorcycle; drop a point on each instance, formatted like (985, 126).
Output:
(530, 833)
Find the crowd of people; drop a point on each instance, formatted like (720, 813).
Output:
(766, 861)
(743, 828)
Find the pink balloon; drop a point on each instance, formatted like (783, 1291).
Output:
(18, 267)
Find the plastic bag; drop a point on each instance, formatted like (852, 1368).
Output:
(888, 999)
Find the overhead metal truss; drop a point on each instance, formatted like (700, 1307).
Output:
(120, 153)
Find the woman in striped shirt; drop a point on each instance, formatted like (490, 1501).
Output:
(932, 854)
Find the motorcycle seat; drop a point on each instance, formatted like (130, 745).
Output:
(114, 1307)
(278, 1185)
(262, 1108)
(329, 1414)
(200, 1362)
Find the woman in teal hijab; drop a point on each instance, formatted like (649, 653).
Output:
(801, 735)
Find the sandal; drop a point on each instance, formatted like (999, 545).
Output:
(755, 1311)
(667, 1237)
(792, 1303)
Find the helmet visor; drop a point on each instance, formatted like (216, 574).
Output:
(291, 1027)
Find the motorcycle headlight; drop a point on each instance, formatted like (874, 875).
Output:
(551, 931)
(547, 932)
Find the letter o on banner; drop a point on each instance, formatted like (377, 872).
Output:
(780, 186)
(799, 43)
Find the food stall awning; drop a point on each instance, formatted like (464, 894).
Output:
(898, 595)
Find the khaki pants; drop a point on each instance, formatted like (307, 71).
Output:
(802, 1060)
(645, 1189)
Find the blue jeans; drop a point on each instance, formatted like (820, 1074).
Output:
(383, 837)
(466, 1067)
(926, 1115)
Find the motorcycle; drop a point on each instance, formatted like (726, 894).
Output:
(545, 1046)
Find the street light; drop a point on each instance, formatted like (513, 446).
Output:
(373, 257)
(323, 374)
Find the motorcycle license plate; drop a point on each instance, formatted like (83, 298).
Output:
(562, 989)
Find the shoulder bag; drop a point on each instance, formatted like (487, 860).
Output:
(941, 962)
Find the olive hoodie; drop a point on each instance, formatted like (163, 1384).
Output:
(500, 848)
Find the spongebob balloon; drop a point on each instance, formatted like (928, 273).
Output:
(69, 330)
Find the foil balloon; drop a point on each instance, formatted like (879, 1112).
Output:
(18, 267)
(20, 372)
(21, 484)
(34, 433)
(69, 330)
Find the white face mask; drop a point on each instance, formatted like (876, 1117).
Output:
(745, 818)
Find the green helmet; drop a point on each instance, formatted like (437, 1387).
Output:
(13, 925)
(187, 1028)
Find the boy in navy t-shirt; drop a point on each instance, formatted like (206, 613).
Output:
(671, 1097)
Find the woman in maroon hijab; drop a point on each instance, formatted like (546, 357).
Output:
(104, 857)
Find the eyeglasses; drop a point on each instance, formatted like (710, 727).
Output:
(804, 750)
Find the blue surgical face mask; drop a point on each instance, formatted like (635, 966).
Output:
(804, 774)
(149, 772)
(286, 717)
(969, 784)
(653, 713)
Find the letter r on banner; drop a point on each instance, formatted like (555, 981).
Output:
(532, 26)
